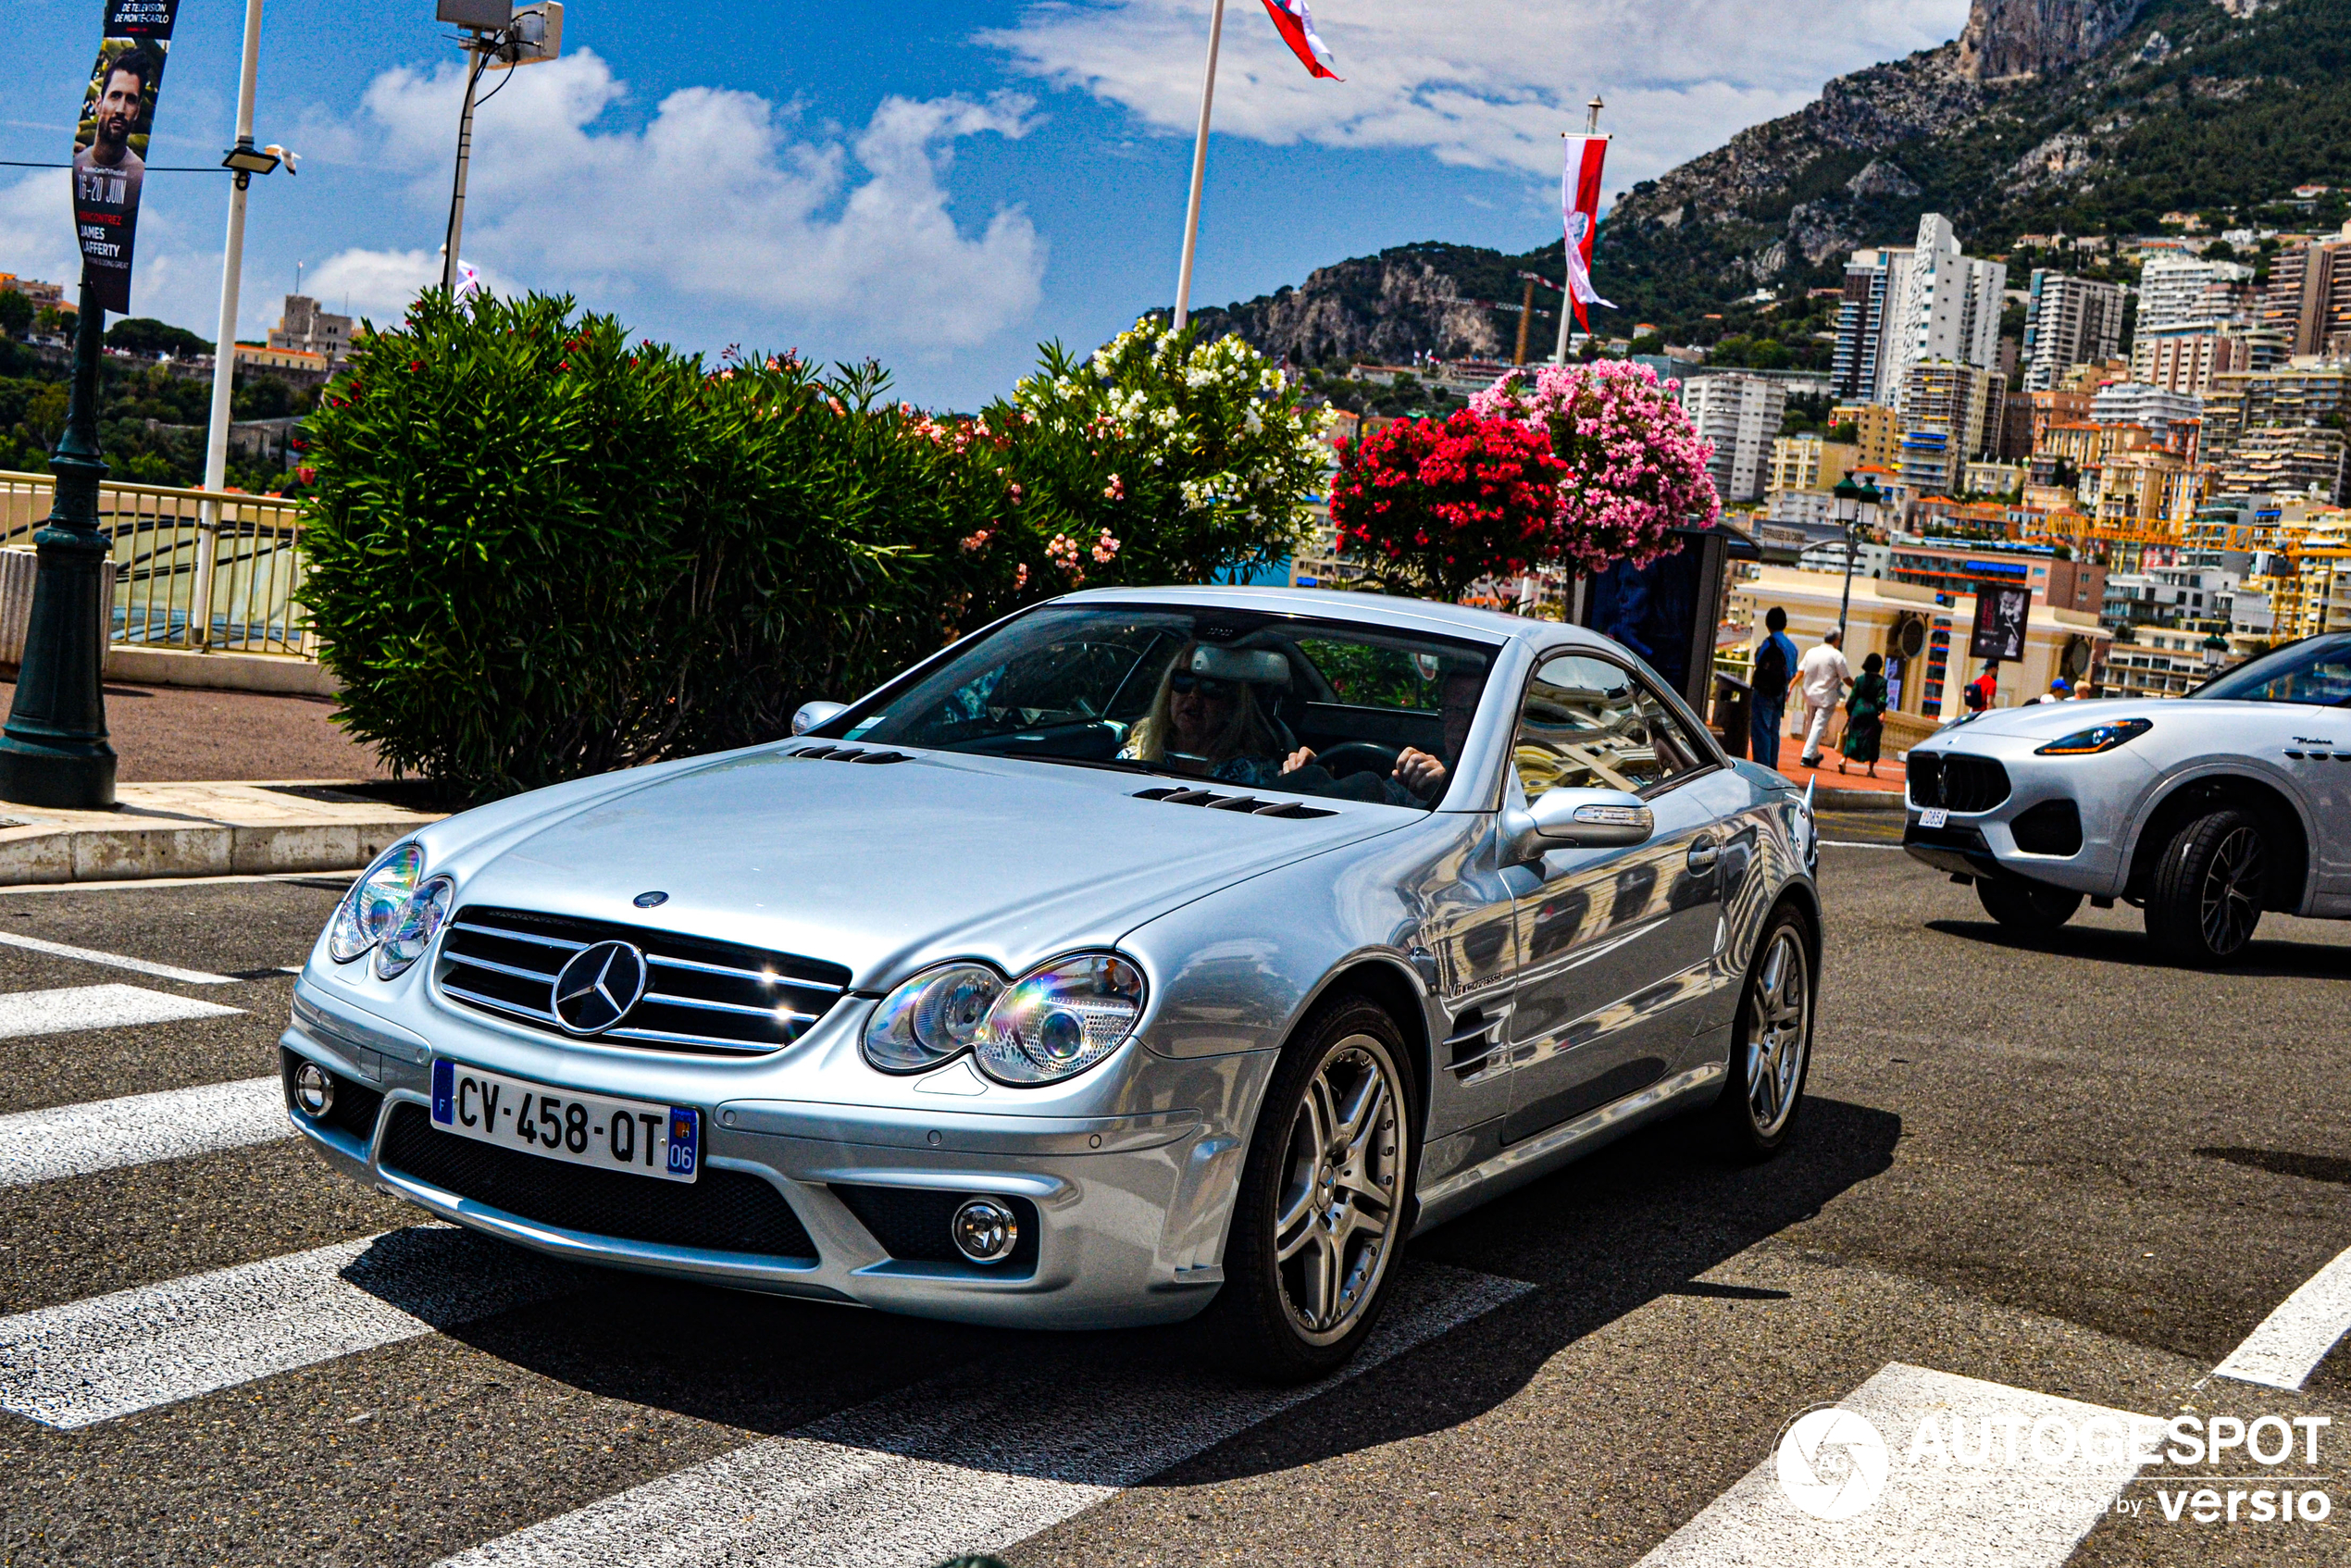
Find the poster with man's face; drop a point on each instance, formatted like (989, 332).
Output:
(110, 142)
(2000, 615)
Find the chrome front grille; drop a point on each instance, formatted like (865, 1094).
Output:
(706, 997)
(1955, 780)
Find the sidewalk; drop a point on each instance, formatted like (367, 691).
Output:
(180, 734)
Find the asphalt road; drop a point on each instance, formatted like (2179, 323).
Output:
(2073, 1173)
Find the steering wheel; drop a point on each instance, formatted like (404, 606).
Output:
(1358, 756)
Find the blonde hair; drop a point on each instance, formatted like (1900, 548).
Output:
(1248, 733)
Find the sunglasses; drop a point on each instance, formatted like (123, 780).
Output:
(1184, 683)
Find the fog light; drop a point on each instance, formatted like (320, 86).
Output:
(314, 1089)
(985, 1230)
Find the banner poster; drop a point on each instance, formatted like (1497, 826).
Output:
(1580, 211)
(110, 142)
(2000, 615)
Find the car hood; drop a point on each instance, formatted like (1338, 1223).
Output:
(885, 868)
(2041, 722)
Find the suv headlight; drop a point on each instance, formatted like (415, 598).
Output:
(2097, 738)
(1053, 1022)
(412, 932)
(367, 911)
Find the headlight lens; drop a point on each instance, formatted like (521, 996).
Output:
(374, 902)
(933, 1017)
(1060, 1019)
(419, 921)
(2097, 738)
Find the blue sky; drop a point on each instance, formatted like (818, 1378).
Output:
(939, 186)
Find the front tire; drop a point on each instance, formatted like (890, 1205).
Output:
(1323, 1198)
(1772, 1043)
(2033, 909)
(2209, 890)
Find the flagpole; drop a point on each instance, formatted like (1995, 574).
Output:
(1200, 170)
(1567, 295)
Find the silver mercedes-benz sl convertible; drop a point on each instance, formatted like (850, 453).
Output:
(1149, 952)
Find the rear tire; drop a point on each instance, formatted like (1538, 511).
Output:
(1324, 1200)
(2209, 890)
(2033, 908)
(1770, 1043)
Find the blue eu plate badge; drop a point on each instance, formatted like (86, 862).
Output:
(685, 1126)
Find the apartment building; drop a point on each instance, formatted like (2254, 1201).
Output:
(1808, 462)
(1741, 416)
(1946, 307)
(1876, 432)
(2309, 295)
(2286, 460)
(2188, 360)
(2298, 394)
(2153, 409)
(2069, 321)
(2143, 487)
(2183, 293)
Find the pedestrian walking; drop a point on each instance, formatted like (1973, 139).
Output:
(1984, 690)
(1823, 677)
(2060, 691)
(1865, 716)
(1775, 667)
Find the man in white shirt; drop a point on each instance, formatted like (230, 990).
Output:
(1824, 675)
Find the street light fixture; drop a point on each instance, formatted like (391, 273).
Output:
(2216, 650)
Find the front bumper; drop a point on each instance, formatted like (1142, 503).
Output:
(2100, 792)
(1129, 1211)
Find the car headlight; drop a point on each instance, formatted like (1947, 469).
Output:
(1051, 1023)
(412, 932)
(1060, 1019)
(2097, 738)
(375, 902)
(932, 1018)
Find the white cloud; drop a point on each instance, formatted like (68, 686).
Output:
(1488, 83)
(715, 200)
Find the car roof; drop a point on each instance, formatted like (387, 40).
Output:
(1392, 611)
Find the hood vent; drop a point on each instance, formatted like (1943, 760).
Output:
(847, 753)
(1248, 803)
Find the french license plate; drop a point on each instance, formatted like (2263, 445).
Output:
(1935, 816)
(584, 1130)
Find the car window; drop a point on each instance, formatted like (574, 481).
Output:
(2318, 672)
(1587, 723)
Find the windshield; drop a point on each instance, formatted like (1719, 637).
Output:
(2317, 671)
(1319, 707)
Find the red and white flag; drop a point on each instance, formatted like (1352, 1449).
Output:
(1296, 25)
(1580, 208)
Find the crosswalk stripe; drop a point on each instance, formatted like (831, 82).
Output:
(2293, 1340)
(117, 960)
(138, 1130)
(1999, 1513)
(97, 1007)
(972, 1462)
(114, 1355)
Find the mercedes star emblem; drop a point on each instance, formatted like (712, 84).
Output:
(598, 986)
(647, 900)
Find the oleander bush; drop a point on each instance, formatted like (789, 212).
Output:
(538, 550)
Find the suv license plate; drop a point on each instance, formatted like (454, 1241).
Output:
(582, 1129)
(1935, 816)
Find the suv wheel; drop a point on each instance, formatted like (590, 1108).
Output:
(2033, 908)
(2208, 888)
(1323, 1198)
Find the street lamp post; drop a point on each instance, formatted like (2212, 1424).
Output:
(54, 752)
(1848, 510)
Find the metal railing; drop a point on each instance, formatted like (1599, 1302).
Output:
(194, 568)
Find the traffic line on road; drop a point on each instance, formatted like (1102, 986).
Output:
(114, 1355)
(2010, 1511)
(117, 960)
(138, 1129)
(97, 1007)
(2293, 1340)
(972, 1462)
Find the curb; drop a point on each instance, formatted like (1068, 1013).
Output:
(1859, 799)
(165, 830)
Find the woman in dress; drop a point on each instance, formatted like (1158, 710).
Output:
(1865, 716)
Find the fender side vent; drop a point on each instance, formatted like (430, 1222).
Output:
(1248, 803)
(847, 753)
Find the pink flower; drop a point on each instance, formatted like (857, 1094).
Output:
(973, 542)
(1105, 549)
(1020, 578)
(1016, 494)
(1115, 490)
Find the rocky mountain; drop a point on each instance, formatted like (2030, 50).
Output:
(2072, 116)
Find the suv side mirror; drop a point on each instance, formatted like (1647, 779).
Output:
(1588, 819)
(811, 715)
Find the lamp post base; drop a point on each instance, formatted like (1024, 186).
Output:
(68, 777)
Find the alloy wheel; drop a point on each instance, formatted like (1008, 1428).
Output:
(2231, 893)
(1342, 1177)
(1779, 1011)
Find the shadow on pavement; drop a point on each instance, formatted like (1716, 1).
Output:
(2262, 959)
(1639, 1220)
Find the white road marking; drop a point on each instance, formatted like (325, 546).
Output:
(97, 1007)
(138, 1130)
(117, 960)
(1855, 844)
(972, 1462)
(1992, 1514)
(114, 1355)
(2293, 1340)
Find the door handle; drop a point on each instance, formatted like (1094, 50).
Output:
(1703, 857)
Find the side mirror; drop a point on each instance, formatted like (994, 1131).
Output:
(811, 715)
(1585, 819)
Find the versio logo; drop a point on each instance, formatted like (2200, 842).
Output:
(1831, 1462)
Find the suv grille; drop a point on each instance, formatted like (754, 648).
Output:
(1955, 780)
(723, 1210)
(704, 997)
